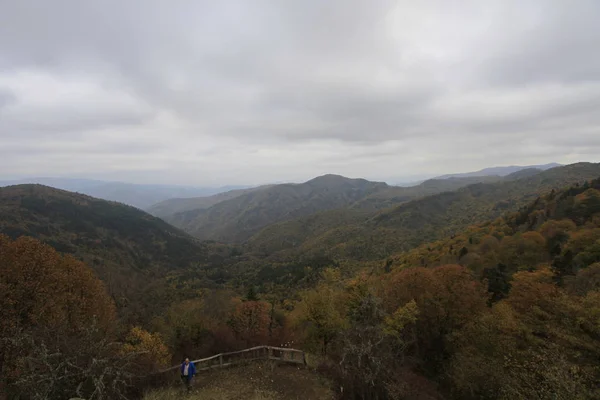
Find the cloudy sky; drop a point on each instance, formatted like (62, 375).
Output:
(254, 91)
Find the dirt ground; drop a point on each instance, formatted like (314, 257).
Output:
(257, 381)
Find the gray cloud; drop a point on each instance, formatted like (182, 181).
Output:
(548, 42)
(251, 92)
(6, 98)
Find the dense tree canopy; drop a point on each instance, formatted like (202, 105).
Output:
(58, 331)
(505, 309)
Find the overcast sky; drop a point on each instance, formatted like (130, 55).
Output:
(254, 91)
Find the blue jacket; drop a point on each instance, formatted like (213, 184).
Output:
(191, 369)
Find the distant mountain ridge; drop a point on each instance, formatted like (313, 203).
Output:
(178, 205)
(395, 195)
(350, 234)
(163, 200)
(236, 219)
(138, 195)
(283, 228)
(499, 171)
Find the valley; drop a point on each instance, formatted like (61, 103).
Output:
(298, 200)
(373, 224)
(424, 270)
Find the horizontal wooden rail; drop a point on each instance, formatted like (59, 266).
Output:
(252, 354)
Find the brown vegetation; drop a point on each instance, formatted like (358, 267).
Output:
(506, 309)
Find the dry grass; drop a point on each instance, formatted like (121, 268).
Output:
(252, 382)
(207, 394)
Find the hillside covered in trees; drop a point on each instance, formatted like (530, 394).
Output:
(173, 206)
(59, 334)
(354, 234)
(130, 250)
(137, 195)
(236, 219)
(507, 309)
(494, 294)
(235, 216)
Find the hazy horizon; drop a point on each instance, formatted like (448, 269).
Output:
(406, 180)
(232, 92)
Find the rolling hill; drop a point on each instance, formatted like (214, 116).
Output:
(351, 234)
(129, 249)
(177, 205)
(567, 220)
(500, 171)
(326, 220)
(395, 195)
(237, 219)
(138, 195)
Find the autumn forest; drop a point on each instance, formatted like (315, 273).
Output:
(485, 288)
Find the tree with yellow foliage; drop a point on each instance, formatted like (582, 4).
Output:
(323, 310)
(154, 354)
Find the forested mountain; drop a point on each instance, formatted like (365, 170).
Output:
(500, 171)
(349, 234)
(169, 207)
(507, 309)
(128, 248)
(125, 245)
(561, 229)
(538, 270)
(138, 195)
(504, 305)
(237, 219)
(395, 195)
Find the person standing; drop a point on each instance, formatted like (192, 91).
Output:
(188, 371)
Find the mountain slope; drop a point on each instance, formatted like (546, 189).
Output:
(499, 171)
(377, 235)
(237, 219)
(294, 232)
(177, 205)
(395, 195)
(128, 248)
(137, 195)
(567, 220)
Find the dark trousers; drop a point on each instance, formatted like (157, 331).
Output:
(187, 380)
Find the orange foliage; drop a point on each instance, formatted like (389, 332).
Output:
(447, 297)
(41, 288)
(153, 352)
(523, 251)
(51, 302)
(582, 239)
(250, 322)
(533, 289)
(488, 244)
(552, 228)
(586, 280)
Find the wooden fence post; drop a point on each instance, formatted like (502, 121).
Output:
(254, 353)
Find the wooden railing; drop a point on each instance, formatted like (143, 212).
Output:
(252, 354)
